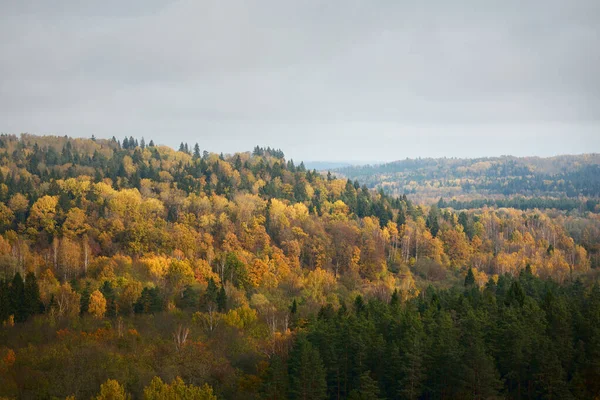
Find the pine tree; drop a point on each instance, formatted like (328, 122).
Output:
(479, 378)
(306, 372)
(411, 355)
(17, 298)
(470, 278)
(293, 314)
(395, 299)
(189, 299)
(5, 303)
(443, 357)
(222, 300)
(33, 303)
(432, 222)
(294, 307)
(359, 305)
(368, 389)
(401, 217)
(275, 384)
(84, 303)
(111, 299)
(211, 293)
(149, 302)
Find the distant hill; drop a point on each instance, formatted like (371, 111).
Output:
(331, 165)
(560, 176)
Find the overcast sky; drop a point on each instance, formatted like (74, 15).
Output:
(323, 80)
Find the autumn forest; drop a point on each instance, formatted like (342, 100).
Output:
(131, 270)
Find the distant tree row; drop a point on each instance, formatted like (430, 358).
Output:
(522, 203)
(562, 176)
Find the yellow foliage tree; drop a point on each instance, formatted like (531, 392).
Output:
(42, 215)
(256, 271)
(318, 284)
(112, 390)
(67, 301)
(158, 390)
(97, 305)
(240, 317)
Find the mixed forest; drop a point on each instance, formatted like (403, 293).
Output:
(566, 182)
(134, 270)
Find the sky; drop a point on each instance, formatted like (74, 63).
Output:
(331, 80)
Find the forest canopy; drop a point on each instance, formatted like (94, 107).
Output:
(133, 269)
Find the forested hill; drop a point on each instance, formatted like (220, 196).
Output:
(34, 166)
(561, 176)
(132, 268)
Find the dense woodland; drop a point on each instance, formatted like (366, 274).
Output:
(129, 269)
(555, 179)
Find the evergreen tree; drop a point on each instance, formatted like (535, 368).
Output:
(293, 314)
(443, 357)
(432, 222)
(5, 302)
(111, 300)
(306, 372)
(401, 217)
(479, 378)
(222, 300)
(470, 278)
(368, 389)
(211, 293)
(17, 298)
(275, 385)
(84, 302)
(149, 302)
(33, 303)
(411, 344)
(359, 305)
(395, 299)
(189, 299)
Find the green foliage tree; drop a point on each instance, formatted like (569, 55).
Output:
(367, 389)
(150, 302)
(470, 278)
(31, 296)
(222, 300)
(18, 307)
(306, 372)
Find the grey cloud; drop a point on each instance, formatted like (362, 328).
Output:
(321, 79)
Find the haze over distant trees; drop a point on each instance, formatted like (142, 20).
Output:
(428, 178)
